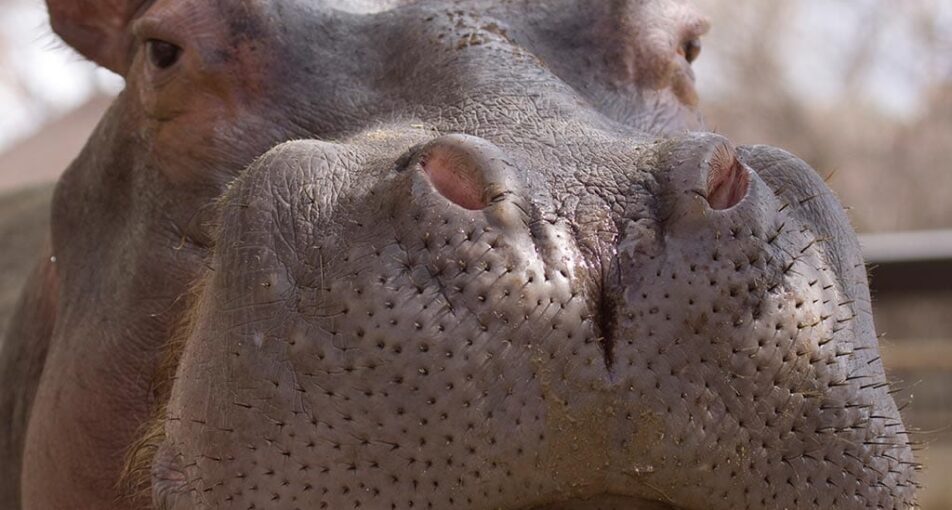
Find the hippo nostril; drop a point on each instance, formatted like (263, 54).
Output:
(455, 177)
(467, 170)
(727, 179)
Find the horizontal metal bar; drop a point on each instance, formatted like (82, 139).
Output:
(915, 261)
(901, 247)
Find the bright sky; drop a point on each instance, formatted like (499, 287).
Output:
(53, 74)
(817, 45)
(59, 80)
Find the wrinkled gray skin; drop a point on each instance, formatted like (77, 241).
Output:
(495, 268)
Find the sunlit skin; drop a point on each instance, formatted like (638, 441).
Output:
(469, 255)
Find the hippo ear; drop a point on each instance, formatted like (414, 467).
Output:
(98, 29)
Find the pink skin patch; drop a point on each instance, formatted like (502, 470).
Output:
(455, 176)
(727, 179)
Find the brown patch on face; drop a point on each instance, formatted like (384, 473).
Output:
(199, 114)
(682, 84)
(649, 40)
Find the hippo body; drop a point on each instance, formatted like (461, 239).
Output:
(435, 254)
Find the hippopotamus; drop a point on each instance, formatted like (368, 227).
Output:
(436, 254)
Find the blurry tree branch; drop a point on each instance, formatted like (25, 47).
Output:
(890, 168)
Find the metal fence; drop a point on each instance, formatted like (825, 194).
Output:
(911, 285)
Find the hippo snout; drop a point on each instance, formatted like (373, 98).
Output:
(446, 335)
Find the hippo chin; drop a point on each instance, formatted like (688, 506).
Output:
(431, 255)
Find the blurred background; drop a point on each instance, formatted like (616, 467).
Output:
(860, 89)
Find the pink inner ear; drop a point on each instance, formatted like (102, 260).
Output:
(727, 180)
(455, 177)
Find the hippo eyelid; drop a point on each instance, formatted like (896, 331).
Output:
(151, 27)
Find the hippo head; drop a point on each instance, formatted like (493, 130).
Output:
(444, 254)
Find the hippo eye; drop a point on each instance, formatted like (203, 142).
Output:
(162, 54)
(691, 49)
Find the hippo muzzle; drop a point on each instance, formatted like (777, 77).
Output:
(446, 336)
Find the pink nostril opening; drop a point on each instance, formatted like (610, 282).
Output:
(455, 177)
(727, 180)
